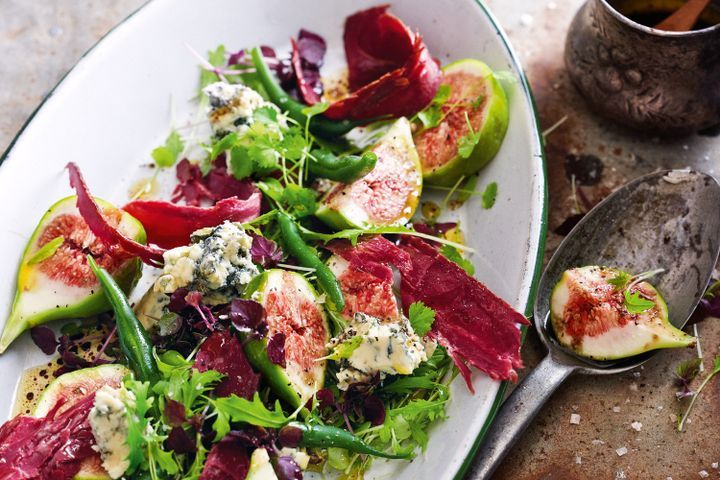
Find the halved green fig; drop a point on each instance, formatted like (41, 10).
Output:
(54, 279)
(475, 95)
(388, 195)
(364, 292)
(74, 386)
(293, 308)
(600, 313)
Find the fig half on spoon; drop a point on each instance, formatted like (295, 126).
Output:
(667, 218)
(604, 313)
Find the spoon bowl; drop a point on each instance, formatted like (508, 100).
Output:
(668, 219)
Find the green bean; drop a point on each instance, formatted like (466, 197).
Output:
(296, 434)
(319, 125)
(134, 340)
(294, 244)
(346, 168)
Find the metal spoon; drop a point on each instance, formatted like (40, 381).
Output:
(667, 219)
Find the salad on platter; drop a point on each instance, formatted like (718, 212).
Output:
(307, 310)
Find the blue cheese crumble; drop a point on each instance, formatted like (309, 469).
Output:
(217, 260)
(108, 421)
(387, 348)
(232, 107)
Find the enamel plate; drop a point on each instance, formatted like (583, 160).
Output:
(120, 100)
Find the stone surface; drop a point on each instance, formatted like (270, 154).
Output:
(40, 41)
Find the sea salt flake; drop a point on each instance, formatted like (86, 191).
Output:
(621, 451)
(598, 442)
(637, 426)
(575, 419)
(703, 474)
(578, 460)
(634, 387)
(714, 465)
(616, 409)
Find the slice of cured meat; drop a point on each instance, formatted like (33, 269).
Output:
(476, 326)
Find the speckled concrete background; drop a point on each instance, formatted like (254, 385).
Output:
(40, 41)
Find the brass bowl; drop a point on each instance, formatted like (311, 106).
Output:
(648, 79)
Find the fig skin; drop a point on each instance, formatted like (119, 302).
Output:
(608, 331)
(92, 302)
(493, 124)
(339, 208)
(68, 386)
(276, 376)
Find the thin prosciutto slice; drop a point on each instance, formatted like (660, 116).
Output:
(116, 242)
(477, 327)
(169, 225)
(390, 70)
(52, 447)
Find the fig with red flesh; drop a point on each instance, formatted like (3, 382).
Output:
(476, 100)
(601, 313)
(70, 388)
(293, 309)
(364, 292)
(388, 195)
(54, 279)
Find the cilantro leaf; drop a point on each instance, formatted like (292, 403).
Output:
(298, 201)
(167, 155)
(225, 143)
(489, 195)
(452, 254)
(267, 115)
(467, 189)
(315, 109)
(443, 94)
(421, 318)
(254, 412)
(430, 117)
(345, 349)
(240, 163)
(620, 280)
(433, 114)
(634, 303)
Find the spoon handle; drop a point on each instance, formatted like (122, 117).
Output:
(516, 414)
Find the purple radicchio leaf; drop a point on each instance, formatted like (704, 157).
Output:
(276, 349)
(180, 441)
(287, 469)
(175, 413)
(312, 48)
(247, 316)
(325, 398)
(177, 301)
(194, 299)
(253, 436)
(44, 338)
(241, 56)
(711, 306)
(374, 410)
(265, 252)
(436, 229)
